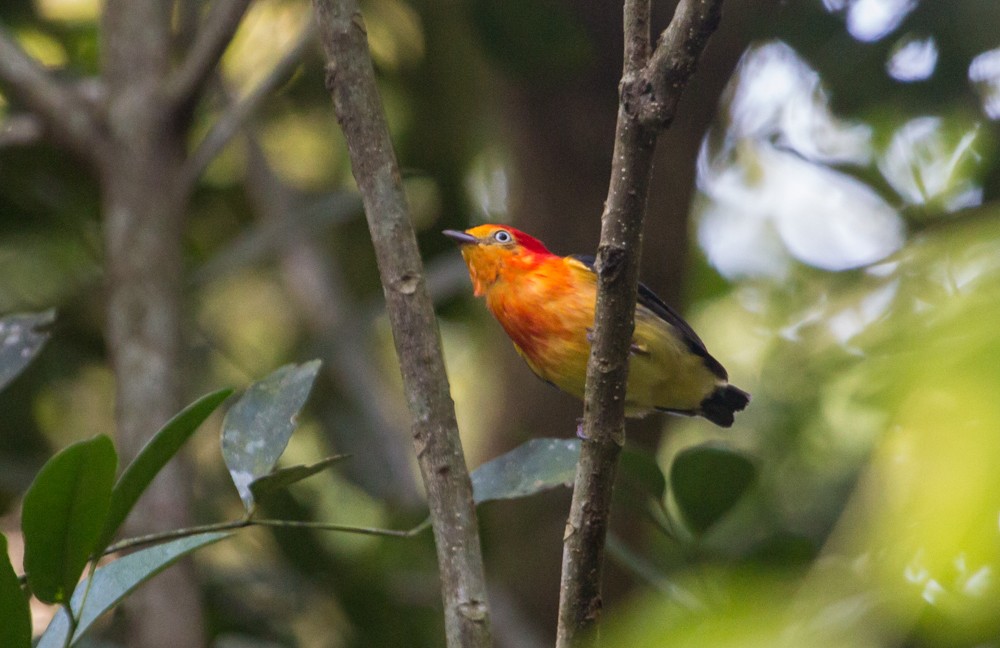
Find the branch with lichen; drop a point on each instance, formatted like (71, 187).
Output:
(651, 86)
(351, 82)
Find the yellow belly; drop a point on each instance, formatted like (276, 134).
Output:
(663, 372)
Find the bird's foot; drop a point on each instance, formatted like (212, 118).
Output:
(579, 429)
(634, 349)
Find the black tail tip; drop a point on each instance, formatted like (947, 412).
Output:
(723, 403)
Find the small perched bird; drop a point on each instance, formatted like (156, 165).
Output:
(545, 303)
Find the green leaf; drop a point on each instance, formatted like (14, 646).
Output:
(640, 472)
(785, 551)
(116, 580)
(63, 514)
(532, 467)
(257, 428)
(20, 341)
(263, 486)
(151, 459)
(707, 481)
(15, 616)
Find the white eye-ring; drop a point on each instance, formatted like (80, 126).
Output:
(502, 236)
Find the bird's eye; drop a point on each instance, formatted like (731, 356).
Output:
(502, 236)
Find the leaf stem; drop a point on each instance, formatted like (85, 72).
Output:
(175, 534)
(72, 624)
(156, 538)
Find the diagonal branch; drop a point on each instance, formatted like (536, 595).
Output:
(315, 284)
(237, 113)
(214, 35)
(649, 95)
(351, 82)
(674, 61)
(66, 114)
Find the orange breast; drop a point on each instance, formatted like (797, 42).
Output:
(547, 310)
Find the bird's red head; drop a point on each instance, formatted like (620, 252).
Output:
(490, 250)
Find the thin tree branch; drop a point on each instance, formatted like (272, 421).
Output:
(67, 116)
(637, 40)
(314, 282)
(214, 35)
(23, 129)
(237, 112)
(351, 82)
(648, 99)
(674, 61)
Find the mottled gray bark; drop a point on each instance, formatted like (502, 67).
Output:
(649, 92)
(143, 216)
(351, 82)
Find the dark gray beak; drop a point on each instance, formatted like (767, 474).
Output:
(460, 237)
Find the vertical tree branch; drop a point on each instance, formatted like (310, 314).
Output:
(134, 137)
(351, 82)
(649, 92)
(143, 207)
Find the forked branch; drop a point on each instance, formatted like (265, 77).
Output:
(650, 90)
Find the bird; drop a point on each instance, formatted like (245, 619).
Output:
(545, 303)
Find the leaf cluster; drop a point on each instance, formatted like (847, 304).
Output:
(76, 505)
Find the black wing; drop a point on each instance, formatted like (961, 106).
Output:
(652, 301)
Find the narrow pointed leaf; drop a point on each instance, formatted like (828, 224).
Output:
(114, 581)
(63, 514)
(257, 428)
(263, 486)
(532, 467)
(20, 341)
(707, 481)
(151, 459)
(56, 635)
(15, 616)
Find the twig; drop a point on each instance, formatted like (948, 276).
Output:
(237, 113)
(67, 116)
(214, 35)
(649, 94)
(314, 282)
(23, 129)
(175, 534)
(351, 82)
(674, 61)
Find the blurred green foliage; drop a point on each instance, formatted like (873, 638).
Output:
(873, 428)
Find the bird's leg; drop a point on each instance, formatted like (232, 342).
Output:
(579, 429)
(634, 349)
